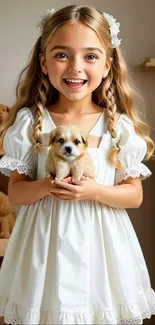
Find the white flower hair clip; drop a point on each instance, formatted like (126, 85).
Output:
(44, 18)
(114, 29)
(114, 26)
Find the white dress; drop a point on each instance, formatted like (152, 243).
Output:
(71, 262)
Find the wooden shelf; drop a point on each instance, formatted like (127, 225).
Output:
(3, 245)
(148, 65)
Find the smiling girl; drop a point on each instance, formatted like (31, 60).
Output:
(73, 256)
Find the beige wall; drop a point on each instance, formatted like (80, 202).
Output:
(18, 19)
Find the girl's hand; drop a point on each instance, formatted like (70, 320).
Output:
(70, 189)
(52, 189)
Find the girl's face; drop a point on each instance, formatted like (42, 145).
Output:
(75, 61)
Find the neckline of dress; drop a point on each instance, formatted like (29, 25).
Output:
(104, 133)
(94, 126)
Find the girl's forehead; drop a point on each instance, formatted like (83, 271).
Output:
(75, 35)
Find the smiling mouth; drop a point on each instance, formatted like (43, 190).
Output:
(75, 82)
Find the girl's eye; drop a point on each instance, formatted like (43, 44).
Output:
(92, 57)
(61, 140)
(61, 56)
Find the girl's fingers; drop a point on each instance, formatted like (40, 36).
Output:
(64, 198)
(78, 182)
(84, 178)
(65, 185)
(59, 190)
(61, 197)
(68, 180)
(50, 178)
(52, 194)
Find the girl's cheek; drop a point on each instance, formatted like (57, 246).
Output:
(96, 68)
(56, 66)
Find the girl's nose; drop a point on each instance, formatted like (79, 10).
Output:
(75, 70)
(75, 66)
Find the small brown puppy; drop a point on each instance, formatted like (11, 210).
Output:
(4, 113)
(68, 154)
(7, 216)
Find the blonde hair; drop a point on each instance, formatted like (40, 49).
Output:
(114, 93)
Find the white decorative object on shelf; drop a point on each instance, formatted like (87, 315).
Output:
(148, 65)
(151, 62)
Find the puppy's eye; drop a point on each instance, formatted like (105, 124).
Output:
(61, 140)
(76, 141)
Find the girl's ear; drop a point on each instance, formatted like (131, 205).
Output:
(107, 67)
(43, 64)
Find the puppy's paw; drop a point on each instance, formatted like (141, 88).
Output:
(77, 178)
(59, 179)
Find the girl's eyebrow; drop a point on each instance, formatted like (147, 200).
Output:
(58, 47)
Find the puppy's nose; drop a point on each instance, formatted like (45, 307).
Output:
(68, 149)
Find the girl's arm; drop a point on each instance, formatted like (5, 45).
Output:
(22, 190)
(128, 194)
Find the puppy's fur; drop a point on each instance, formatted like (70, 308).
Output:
(68, 154)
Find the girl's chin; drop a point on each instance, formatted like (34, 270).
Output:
(75, 96)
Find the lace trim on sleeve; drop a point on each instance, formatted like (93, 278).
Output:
(8, 164)
(139, 170)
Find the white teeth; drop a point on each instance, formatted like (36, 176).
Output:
(76, 81)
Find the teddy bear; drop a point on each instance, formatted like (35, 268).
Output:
(4, 113)
(7, 216)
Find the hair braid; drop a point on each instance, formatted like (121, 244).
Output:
(40, 102)
(111, 111)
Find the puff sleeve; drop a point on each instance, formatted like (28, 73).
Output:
(133, 149)
(19, 152)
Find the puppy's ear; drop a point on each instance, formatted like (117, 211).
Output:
(52, 137)
(7, 109)
(85, 139)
